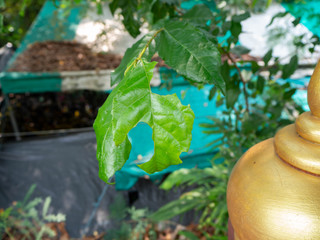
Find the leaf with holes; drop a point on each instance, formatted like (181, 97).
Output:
(132, 102)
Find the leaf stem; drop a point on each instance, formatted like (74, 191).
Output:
(246, 96)
(143, 51)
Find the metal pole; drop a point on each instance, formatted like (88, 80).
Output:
(12, 118)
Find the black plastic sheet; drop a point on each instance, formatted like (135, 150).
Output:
(66, 169)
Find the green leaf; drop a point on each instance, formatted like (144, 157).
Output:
(225, 27)
(1, 23)
(46, 206)
(131, 54)
(232, 85)
(290, 68)
(296, 21)
(188, 51)
(288, 94)
(278, 15)
(186, 176)
(233, 91)
(113, 6)
(118, 208)
(132, 102)
(212, 93)
(260, 84)
(267, 57)
(199, 14)
(254, 67)
(175, 208)
(130, 22)
(240, 50)
(188, 235)
(241, 17)
(99, 8)
(160, 11)
(235, 29)
(2, 4)
(29, 193)
(254, 2)
(32, 204)
(56, 218)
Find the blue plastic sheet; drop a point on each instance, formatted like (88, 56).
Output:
(308, 11)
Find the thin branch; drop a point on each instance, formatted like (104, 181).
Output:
(246, 96)
(143, 51)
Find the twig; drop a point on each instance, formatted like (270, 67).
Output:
(246, 96)
(178, 10)
(143, 51)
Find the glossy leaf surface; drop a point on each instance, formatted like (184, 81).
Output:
(132, 102)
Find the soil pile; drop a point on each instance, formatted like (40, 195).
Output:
(56, 56)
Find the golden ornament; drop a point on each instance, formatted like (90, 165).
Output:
(274, 189)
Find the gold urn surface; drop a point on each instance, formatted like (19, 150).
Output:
(274, 189)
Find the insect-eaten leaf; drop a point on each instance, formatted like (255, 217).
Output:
(132, 102)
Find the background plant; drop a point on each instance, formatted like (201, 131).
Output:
(192, 43)
(257, 106)
(250, 93)
(27, 220)
(130, 223)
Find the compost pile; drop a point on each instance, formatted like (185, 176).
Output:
(57, 56)
(52, 111)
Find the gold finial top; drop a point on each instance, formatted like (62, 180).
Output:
(273, 191)
(314, 92)
(295, 144)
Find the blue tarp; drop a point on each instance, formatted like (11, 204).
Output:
(308, 11)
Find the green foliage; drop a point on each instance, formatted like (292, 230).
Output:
(236, 135)
(195, 58)
(199, 15)
(135, 13)
(131, 54)
(290, 68)
(24, 220)
(250, 96)
(188, 235)
(170, 121)
(278, 15)
(131, 223)
(187, 42)
(16, 16)
(130, 22)
(208, 196)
